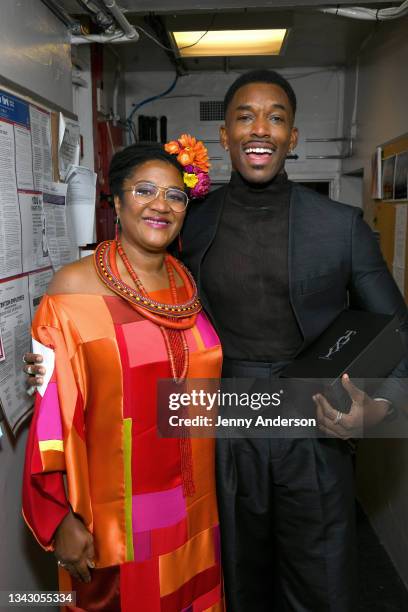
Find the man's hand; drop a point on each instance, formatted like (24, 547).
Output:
(33, 369)
(74, 547)
(365, 412)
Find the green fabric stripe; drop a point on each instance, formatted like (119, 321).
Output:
(127, 447)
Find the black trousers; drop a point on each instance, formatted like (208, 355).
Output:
(287, 513)
(287, 525)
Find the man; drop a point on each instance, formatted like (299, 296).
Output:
(275, 264)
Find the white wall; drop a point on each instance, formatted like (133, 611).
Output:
(381, 116)
(35, 56)
(320, 96)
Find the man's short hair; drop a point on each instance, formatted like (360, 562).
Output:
(261, 76)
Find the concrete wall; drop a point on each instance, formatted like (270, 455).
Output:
(382, 105)
(35, 55)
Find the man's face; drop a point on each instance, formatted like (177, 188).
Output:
(259, 131)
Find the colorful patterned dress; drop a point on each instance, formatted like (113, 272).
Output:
(157, 550)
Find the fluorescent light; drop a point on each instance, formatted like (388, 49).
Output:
(230, 42)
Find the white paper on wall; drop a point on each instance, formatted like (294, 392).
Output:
(10, 228)
(81, 197)
(68, 145)
(15, 332)
(41, 146)
(60, 247)
(37, 286)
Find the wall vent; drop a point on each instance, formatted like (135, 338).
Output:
(212, 110)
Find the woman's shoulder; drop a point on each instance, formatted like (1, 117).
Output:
(76, 277)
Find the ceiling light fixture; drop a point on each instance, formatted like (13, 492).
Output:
(229, 42)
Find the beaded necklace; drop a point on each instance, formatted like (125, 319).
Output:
(172, 319)
(177, 316)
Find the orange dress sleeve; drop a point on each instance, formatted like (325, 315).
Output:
(56, 433)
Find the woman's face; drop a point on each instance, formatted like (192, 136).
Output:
(153, 226)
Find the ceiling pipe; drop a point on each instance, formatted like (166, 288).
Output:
(100, 17)
(128, 29)
(63, 16)
(102, 38)
(357, 12)
(127, 32)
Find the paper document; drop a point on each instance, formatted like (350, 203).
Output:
(41, 146)
(60, 248)
(37, 286)
(15, 332)
(10, 228)
(68, 144)
(81, 197)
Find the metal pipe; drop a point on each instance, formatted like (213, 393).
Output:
(129, 30)
(102, 18)
(101, 38)
(358, 12)
(63, 16)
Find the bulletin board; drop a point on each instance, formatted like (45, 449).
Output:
(391, 212)
(32, 236)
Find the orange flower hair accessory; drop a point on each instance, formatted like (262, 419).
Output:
(193, 155)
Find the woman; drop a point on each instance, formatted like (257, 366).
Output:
(134, 525)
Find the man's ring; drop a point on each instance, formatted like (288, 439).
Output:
(61, 564)
(338, 418)
(29, 370)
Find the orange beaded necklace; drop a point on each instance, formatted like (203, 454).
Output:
(172, 318)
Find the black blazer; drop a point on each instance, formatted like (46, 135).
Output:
(334, 262)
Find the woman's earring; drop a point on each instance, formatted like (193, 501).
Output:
(117, 228)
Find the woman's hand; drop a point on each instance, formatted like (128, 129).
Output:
(74, 547)
(34, 370)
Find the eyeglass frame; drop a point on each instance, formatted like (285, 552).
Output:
(159, 189)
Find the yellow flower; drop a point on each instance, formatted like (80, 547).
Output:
(190, 180)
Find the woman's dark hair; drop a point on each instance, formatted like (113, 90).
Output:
(124, 163)
(261, 76)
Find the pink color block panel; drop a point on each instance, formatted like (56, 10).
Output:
(156, 510)
(144, 343)
(207, 332)
(49, 418)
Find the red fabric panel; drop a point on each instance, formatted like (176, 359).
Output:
(139, 403)
(139, 586)
(167, 539)
(209, 599)
(196, 587)
(102, 593)
(44, 500)
(121, 311)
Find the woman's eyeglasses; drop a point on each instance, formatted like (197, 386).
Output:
(144, 192)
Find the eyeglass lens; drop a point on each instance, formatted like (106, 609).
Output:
(145, 192)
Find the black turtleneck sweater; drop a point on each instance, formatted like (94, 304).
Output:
(245, 273)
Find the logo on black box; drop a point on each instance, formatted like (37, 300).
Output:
(340, 342)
